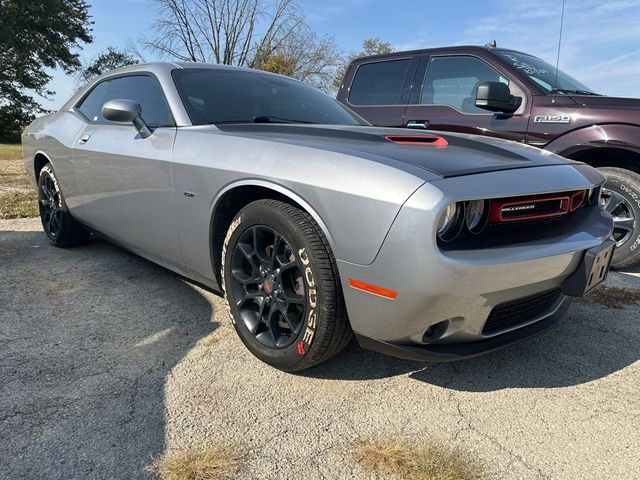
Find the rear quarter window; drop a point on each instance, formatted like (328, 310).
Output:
(379, 83)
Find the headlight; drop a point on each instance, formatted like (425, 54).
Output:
(477, 215)
(451, 222)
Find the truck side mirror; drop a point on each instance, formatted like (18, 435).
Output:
(126, 111)
(496, 97)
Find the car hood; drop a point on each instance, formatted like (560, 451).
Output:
(463, 154)
(613, 103)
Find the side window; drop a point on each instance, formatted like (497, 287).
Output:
(92, 103)
(139, 88)
(454, 81)
(379, 83)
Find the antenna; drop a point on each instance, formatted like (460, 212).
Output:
(555, 80)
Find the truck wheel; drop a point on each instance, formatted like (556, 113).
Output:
(621, 198)
(59, 226)
(282, 286)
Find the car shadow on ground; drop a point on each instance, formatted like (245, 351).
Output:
(87, 338)
(89, 335)
(592, 342)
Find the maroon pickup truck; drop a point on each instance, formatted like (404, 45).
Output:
(511, 95)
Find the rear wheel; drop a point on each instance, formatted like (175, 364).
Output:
(58, 224)
(621, 198)
(282, 287)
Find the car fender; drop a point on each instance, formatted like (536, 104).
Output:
(282, 190)
(612, 135)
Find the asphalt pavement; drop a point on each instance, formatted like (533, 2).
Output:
(107, 360)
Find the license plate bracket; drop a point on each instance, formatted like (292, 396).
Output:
(592, 271)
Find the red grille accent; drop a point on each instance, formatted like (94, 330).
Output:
(422, 140)
(534, 207)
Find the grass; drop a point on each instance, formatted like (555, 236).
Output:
(18, 205)
(212, 463)
(613, 297)
(17, 196)
(210, 340)
(415, 462)
(10, 151)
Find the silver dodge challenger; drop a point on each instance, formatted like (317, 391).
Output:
(314, 224)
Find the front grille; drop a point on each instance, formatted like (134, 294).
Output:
(521, 311)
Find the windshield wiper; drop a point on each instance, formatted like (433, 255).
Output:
(570, 91)
(274, 119)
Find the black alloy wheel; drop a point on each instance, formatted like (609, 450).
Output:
(51, 209)
(58, 224)
(281, 283)
(267, 283)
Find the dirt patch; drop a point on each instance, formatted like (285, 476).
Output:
(415, 462)
(213, 463)
(613, 297)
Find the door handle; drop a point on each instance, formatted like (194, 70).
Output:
(424, 124)
(84, 138)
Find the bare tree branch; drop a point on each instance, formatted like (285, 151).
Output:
(253, 33)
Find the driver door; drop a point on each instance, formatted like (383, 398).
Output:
(125, 187)
(445, 98)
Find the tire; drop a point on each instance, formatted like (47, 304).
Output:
(621, 198)
(276, 260)
(58, 224)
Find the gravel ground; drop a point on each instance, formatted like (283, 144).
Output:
(107, 360)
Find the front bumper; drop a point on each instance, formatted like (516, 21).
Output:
(460, 289)
(449, 352)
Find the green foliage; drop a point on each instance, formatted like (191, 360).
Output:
(370, 46)
(36, 36)
(108, 60)
(277, 63)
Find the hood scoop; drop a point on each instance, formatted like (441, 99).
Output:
(422, 140)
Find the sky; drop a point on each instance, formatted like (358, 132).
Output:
(600, 40)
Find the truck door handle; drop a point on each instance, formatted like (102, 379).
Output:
(424, 124)
(84, 138)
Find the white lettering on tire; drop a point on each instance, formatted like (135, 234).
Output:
(313, 300)
(232, 228)
(632, 193)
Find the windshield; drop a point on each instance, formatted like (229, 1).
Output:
(217, 96)
(543, 74)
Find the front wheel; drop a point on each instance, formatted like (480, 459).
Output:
(282, 286)
(621, 198)
(58, 224)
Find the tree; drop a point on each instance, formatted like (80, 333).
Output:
(370, 46)
(303, 56)
(36, 36)
(108, 60)
(246, 33)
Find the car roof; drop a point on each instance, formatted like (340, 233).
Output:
(162, 70)
(437, 50)
(156, 67)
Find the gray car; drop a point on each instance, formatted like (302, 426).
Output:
(314, 224)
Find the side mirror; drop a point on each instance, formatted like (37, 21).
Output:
(496, 97)
(126, 111)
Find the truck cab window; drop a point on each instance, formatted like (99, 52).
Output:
(379, 83)
(454, 80)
